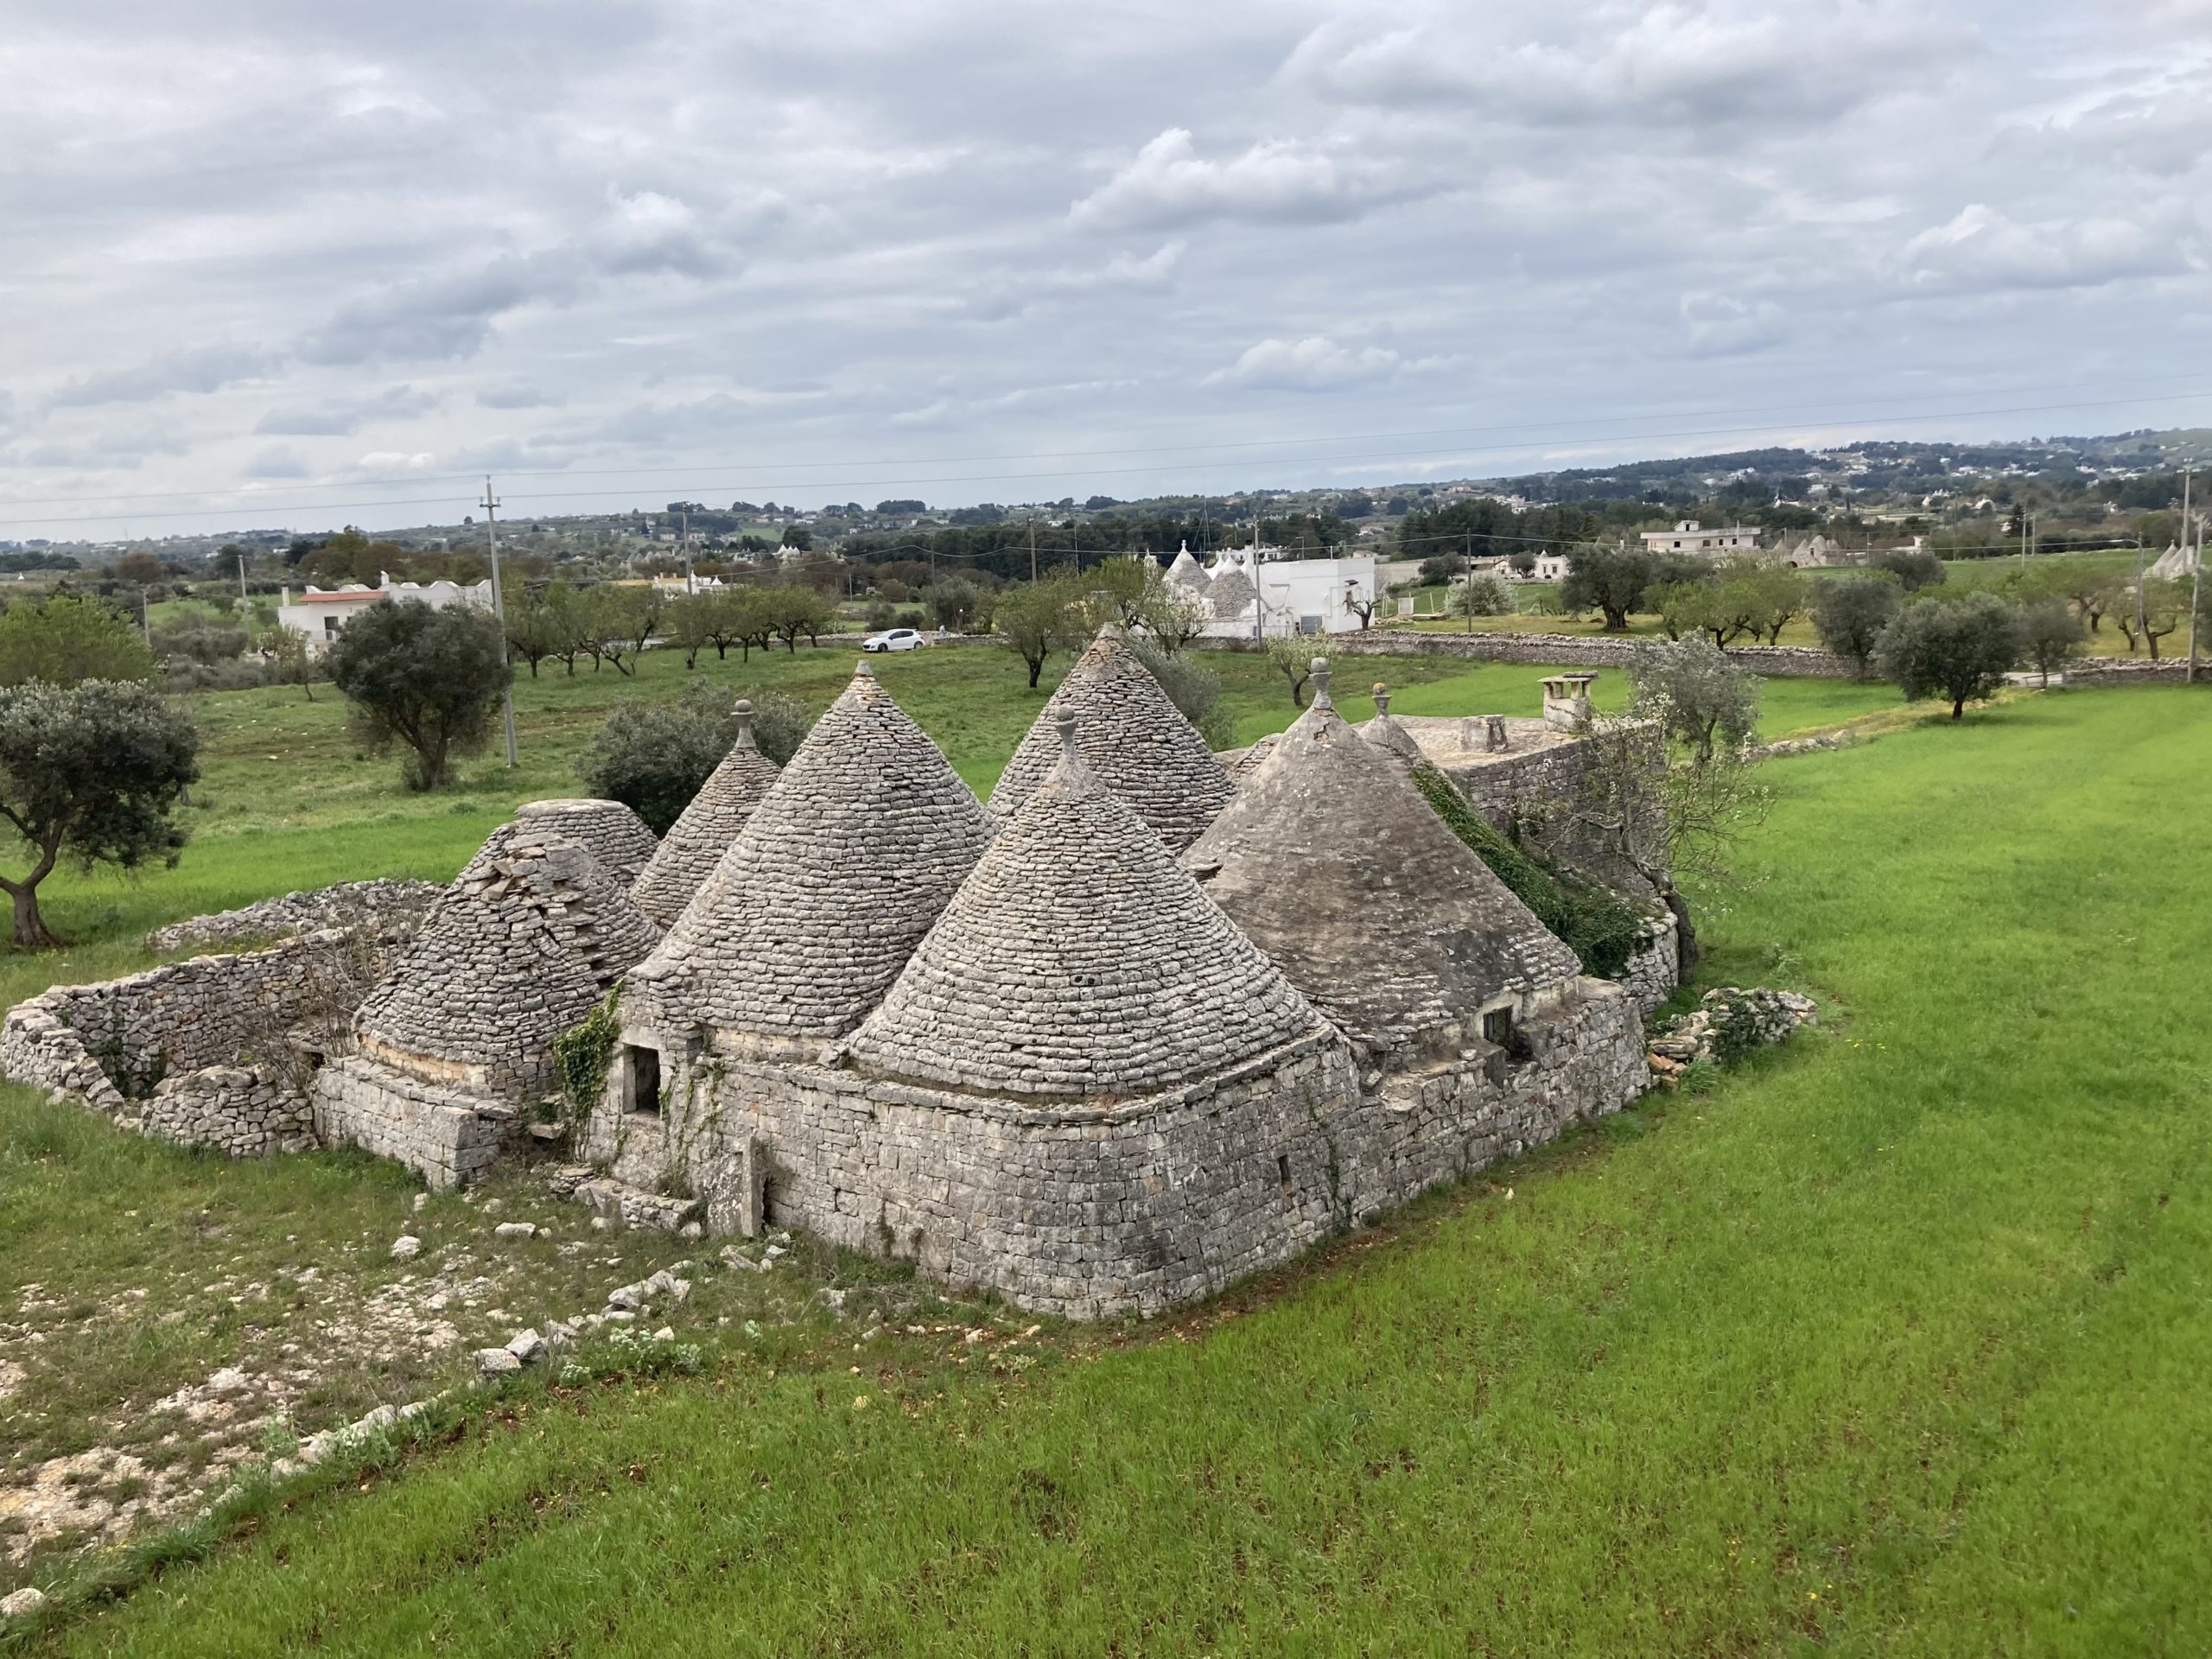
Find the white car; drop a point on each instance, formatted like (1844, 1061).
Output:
(895, 639)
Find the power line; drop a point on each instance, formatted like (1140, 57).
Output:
(1530, 437)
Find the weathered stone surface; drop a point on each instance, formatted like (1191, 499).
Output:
(1135, 741)
(1767, 1016)
(1079, 961)
(696, 840)
(448, 1136)
(531, 934)
(390, 909)
(23, 1603)
(615, 837)
(827, 890)
(1333, 863)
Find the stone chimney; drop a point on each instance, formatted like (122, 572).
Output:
(1567, 701)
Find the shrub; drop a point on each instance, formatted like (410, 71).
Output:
(1482, 596)
(67, 638)
(1914, 566)
(2050, 634)
(654, 757)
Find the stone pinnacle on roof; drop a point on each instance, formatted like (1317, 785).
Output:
(1133, 739)
(1079, 961)
(608, 831)
(1385, 734)
(516, 952)
(823, 895)
(1336, 867)
(696, 840)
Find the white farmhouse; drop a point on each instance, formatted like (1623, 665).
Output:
(1688, 537)
(322, 614)
(1292, 596)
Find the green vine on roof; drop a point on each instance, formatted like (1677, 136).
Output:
(1599, 926)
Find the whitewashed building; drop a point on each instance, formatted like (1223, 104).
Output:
(322, 614)
(1291, 595)
(1689, 537)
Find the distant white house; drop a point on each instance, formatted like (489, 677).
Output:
(322, 614)
(1293, 596)
(1688, 537)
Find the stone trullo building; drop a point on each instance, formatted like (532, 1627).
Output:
(695, 843)
(1049, 1062)
(456, 1042)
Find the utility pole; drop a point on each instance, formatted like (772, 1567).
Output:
(242, 599)
(688, 587)
(2195, 574)
(1032, 547)
(2138, 593)
(1469, 595)
(490, 504)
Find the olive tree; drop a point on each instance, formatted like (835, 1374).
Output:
(1850, 615)
(1609, 580)
(1959, 652)
(2050, 634)
(1034, 617)
(1698, 695)
(654, 757)
(1292, 656)
(427, 679)
(90, 772)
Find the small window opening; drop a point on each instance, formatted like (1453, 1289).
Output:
(1282, 1171)
(1498, 1027)
(644, 1080)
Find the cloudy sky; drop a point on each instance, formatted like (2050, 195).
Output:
(283, 264)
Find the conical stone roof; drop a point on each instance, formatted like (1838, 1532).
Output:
(1333, 863)
(1187, 572)
(517, 951)
(1133, 738)
(608, 831)
(695, 843)
(1230, 593)
(1079, 962)
(825, 893)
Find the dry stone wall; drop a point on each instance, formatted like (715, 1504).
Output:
(1566, 650)
(240, 1111)
(2127, 670)
(387, 908)
(1089, 1212)
(133, 1032)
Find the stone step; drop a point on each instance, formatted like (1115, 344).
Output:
(634, 1206)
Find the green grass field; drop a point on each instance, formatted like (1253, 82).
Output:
(1893, 1343)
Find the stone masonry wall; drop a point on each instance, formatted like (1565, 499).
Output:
(1566, 649)
(239, 1112)
(1092, 1213)
(448, 1138)
(100, 1043)
(2125, 670)
(1653, 968)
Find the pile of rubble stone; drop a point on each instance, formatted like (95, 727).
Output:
(386, 908)
(1766, 1016)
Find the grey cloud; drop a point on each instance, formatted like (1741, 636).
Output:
(1980, 249)
(277, 462)
(344, 416)
(517, 396)
(205, 369)
(434, 318)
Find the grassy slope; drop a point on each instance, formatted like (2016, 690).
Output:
(1894, 1344)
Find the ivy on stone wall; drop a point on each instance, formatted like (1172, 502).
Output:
(1599, 926)
(581, 1055)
